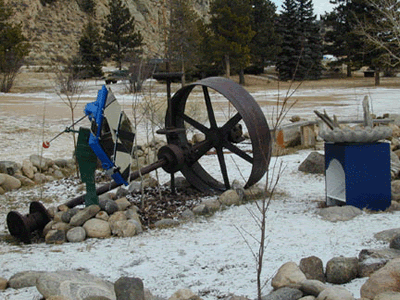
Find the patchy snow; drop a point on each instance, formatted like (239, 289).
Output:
(209, 255)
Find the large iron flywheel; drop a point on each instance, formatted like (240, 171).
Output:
(221, 110)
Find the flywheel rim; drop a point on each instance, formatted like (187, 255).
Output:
(250, 113)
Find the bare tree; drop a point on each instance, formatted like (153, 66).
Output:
(383, 30)
(259, 215)
(69, 89)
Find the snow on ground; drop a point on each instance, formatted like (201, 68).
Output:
(209, 255)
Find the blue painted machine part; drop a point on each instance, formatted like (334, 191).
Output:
(95, 112)
(366, 172)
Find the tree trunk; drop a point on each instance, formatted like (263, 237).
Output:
(227, 66)
(241, 77)
(377, 77)
(349, 70)
(183, 73)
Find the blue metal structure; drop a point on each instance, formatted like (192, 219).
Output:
(95, 112)
(358, 174)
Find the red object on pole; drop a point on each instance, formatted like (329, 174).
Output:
(46, 144)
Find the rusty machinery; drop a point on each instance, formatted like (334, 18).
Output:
(180, 154)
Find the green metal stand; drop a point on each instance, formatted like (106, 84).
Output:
(87, 161)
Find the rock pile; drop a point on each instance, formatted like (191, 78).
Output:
(122, 218)
(79, 285)
(38, 169)
(309, 281)
(32, 171)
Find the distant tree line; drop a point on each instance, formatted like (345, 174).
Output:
(241, 36)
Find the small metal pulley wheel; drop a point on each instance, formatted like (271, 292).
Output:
(220, 110)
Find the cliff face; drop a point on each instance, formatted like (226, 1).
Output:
(54, 30)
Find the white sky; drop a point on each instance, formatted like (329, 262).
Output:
(320, 6)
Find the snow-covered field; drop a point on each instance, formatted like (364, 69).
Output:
(208, 256)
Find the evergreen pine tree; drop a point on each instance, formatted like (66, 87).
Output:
(89, 59)
(120, 37)
(301, 46)
(288, 58)
(343, 41)
(310, 61)
(264, 45)
(230, 24)
(183, 36)
(13, 48)
(87, 6)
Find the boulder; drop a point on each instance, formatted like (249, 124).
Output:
(9, 183)
(74, 284)
(395, 242)
(68, 214)
(25, 181)
(387, 235)
(117, 216)
(180, 183)
(131, 214)
(372, 260)
(83, 215)
(108, 206)
(312, 287)
(212, 204)
(41, 163)
(24, 279)
(394, 164)
(388, 296)
(129, 288)
(3, 283)
(313, 268)
(96, 228)
(184, 294)
(335, 293)
(103, 215)
(28, 169)
(187, 215)
(76, 234)
(314, 164)
(341, 270)
(384, 280)
(285, 293)
(61, 163)
(123, 203)
(123, 228)
(55, 237)
(200, 209)
(149, 183)
(166, 223)
(58, 174)
(121, 193)
(339, 213)
(288, 275)
(39, 178)
(198, 137)
(229, 197)
(60, 226)
(254, 193)
(9, 167)
(395, 188)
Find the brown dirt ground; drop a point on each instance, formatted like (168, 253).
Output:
(35, 82)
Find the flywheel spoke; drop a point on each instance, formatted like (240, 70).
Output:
(231, 123)
(200, 149)
(239, 152)
(222, 165)
(194, 123)
(210, 111)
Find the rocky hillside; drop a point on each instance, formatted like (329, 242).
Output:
(55, 29)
